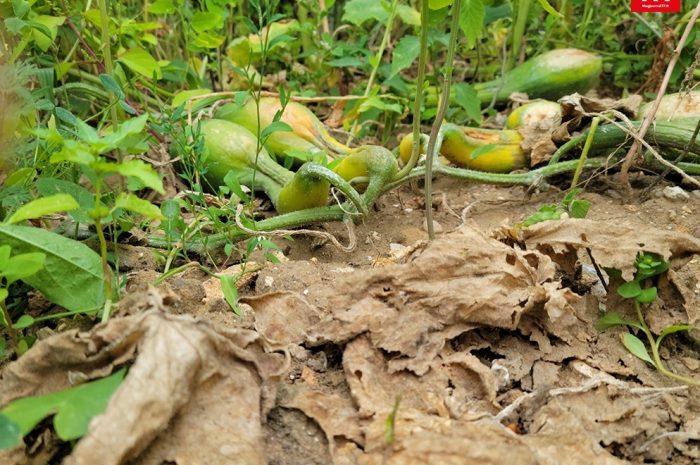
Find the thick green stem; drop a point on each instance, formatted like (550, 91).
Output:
(584, 153)
(671, 134)
(318, 171)
(420, 81)
(518, 32)
(431, 152)
(103, 250)
(338, 212)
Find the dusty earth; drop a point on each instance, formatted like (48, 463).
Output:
(466, 350)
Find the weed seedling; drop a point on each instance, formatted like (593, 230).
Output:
(641, 292)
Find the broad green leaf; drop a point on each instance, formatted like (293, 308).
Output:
(636, 347)
(24, 321)
(19, 177)
(380, 104)
(44, 206)
(579, 208)
(73, 407)
(438, 4)
(172, 220)
(647, 296)
(629, 290)
(85, 198)
(359, 11)
(346, 62)
(408, 15)
(545, 213)
(23, 265)
(231, 181)
(72, 276)
(203, 21)
(230, 291)
(124, 137)
(275, 126)
(182, 97)
(667, 331)
(471, 20)
(468, 99)
(5, 251)
(9, 433)
(611, 319)
(141, 62)
(160, 7)
(137, 205)
(50, 23)
(549, 9)
(112, 85)
(405, 53)
(3, 295)
(139, 170)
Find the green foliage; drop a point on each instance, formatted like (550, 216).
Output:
(648, 266)
(575, 208)
(71, 275)
(73, 408)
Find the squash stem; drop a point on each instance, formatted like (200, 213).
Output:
(420, 82)
(431, 153)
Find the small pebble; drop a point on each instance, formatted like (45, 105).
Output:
(437, 227)
(675, 193)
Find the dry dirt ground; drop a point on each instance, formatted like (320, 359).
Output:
(466, 350)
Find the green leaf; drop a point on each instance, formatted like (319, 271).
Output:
(378, 103)
(647, 296)
(74, 407)
(139, 170)
(10, 434)
(72, 276)
(3, 295)
(405, 54)
(203, 21)
(275, 126)
(545, 213)
(471, 20)
(579, 208)
(467, 98)
(346, 62)
(5, 251)
(85, 198)
(138, 205)
(438, 4)
(231, 181)
(19, 177)
(112, 85)
(23, 265)
(160, 7)
(549, 9)
(636, 347)
(228, 287)
(141, 62)
(24, 321)
(611, 319)
(629, 290)
(408, 15)
(359, 11)
(50, 23)
(44, 206)
(182, 97)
